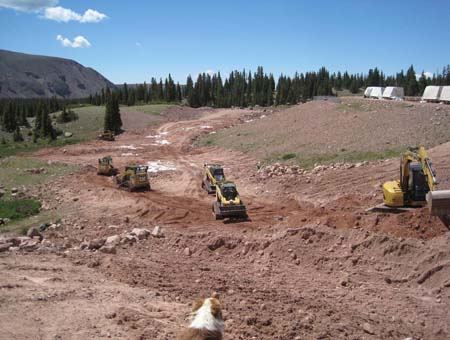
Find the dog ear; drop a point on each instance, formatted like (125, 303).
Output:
(197, 305)
(216, 310)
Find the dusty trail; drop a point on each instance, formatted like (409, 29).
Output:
(309, 264)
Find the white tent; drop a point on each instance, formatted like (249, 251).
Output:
(432, 93)
(377, 92)
(445, 94)
(367, 92)
(392, 92)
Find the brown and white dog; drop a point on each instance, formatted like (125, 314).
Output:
(207, 323)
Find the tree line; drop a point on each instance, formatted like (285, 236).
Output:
(244, 88)
(238, 89)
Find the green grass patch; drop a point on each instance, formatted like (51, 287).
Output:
(13, 172)
(86, 127)
(151, 109)
(288, 156)
(18, 209)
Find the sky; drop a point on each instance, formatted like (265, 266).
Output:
(134, 40)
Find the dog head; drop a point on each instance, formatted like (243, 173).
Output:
(207, 315)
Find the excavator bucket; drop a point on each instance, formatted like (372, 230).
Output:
(439, 202)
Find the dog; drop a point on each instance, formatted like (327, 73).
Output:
(207, 323)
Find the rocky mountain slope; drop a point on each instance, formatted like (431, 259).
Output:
(30, 76)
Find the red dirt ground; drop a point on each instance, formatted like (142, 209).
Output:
(309, 264)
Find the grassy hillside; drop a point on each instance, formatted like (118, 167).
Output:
(351, 131)
(87, 127)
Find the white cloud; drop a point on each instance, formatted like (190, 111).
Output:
(138, 44)
(428, 74)
(28, 5)
(92, 15)
(78, 42)
(62, 14)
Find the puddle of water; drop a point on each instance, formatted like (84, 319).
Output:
(128, 147)
(157, 166)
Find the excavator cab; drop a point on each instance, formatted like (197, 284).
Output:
(417, 184)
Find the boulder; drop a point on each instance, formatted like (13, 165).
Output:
(115, 239)
(187, 251)
(140, 233)
(5, 246)
(68, 134)
(34, 232)
(14, 190)
(108, 249)
(95, 244)
(157, 232)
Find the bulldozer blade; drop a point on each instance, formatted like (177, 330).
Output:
(439, 202)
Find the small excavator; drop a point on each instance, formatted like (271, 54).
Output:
(135, 178)
(228, 204)
(417, 186)
(213, 176)
(105, 167)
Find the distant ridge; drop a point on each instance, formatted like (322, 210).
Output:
(32, 76)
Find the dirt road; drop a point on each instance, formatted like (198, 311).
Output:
(309, 264)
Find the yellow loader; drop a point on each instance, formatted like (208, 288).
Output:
(105, 167)
(213, 175)
(135, 178)
(228, 203)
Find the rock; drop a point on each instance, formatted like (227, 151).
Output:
(110, 315)
(68, 134)
(95, 244)
(368, 328)
(14, 190)
(30, 245)
(187, 251)
(2, 192)
(129, 239)
(157, 232)
(34, 232)
(5, 246)
(216, 244)
(108, 249)
(140, 233)
(115, 239)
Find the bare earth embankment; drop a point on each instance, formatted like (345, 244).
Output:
(309, 264)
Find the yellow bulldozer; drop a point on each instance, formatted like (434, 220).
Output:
(213, 175)
(228, 203)
(135, 178)
(416, 187)
(105, 167)
(107, 135)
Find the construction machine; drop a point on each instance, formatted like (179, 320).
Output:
(417, 185)
(213, 175)
(228, 204)
(135, 178)
(107, 135)
(105, 167)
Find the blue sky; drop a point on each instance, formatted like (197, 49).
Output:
(131, 41)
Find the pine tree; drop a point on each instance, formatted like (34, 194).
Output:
(113, 120)
(17, 136)
(412, 86)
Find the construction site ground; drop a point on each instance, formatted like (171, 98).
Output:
(310, 263)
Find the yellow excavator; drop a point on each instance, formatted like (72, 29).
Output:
(228, 204)
(417, 185)
(135, 178)
(212, 177)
